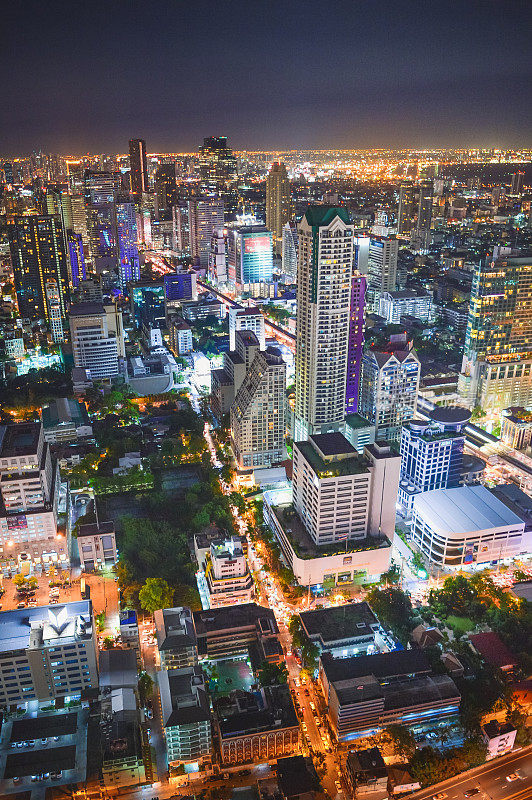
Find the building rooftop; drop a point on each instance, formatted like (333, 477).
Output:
(118, 668)
(296, 776)
(381, 665)
(351, 464)
(357, 421)
(370, 762)
(174, 628)
(450, 415)
(19, 439)
(55, 622)
(464, 509)
(227, 618)
(89, 309)
(95, 529)
(252, 712)
(332, 444)
(324, 215)
(493, 650)
(183, 697)
(334, 624)
(63, 410)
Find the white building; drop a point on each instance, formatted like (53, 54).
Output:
(97, 339)
(47, 652)
(465, 526)
(96, 545)
(394, 305)
(382, 268)
(205, 214)
(389, 387)
(325, 267)
(248, 319)
(29, 484)
(340, 495)
(218, 256)
(186, 716)
(177, 643)
(181, 342)
(53, 301)
(289, 251)
(499, 738)
(258, 414)
(65, 420)
(227, 580)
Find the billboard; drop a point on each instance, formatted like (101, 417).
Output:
(257, 244)
(17, 523)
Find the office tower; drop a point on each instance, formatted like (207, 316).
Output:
(389, 386)
(185, 715)
(147, 302)
(79, 222)
(226, 382)
(248, 319)
(277, 202)
(355, 344)
(30, 492)
(217, 164)
(181, 228)
(249, 256)
(128, 254)
(324, 283)
(7, 166)
(432, 453)
(226, 579)
(179, 287)
(97, 339)
(48, 653)
(205, 214)
(498, 195)
(138, 166)
(59, 203)
(289, 251)
(497, 362)
(38, 255)
(412, 302)
(76, 254)
(415, 207)
(382, 268)
(177, 643)
(53, 303)
(517, 183)
(340, 495)
(100, 192)
(218, 257)
(165, 187)
(258, 415)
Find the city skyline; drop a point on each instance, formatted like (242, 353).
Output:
(401, 74)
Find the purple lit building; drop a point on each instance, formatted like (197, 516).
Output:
(76, 254)
(355, 342)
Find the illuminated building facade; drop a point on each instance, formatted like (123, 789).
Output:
(138, 166)
(324, 285)
(217, 164)
(205, 214)
(38, 255)
(415, 207)
(497, 362)
(355, 345)
(249, 256)
(126, 236)
(277, 202)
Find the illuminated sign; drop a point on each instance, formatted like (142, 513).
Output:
(18, 523)
(257, 244)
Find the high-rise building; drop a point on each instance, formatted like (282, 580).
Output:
(205, 214)
(53, 303)
(30, 493)
(226, 382)
(76, 254)
(340, 495)
(246, 319)
(218, 256)
(128, 254)
(324, 285)
(389, 387)
(101, 191)
(97, 339)
(217, 164)
(277, 202)
(497, 362)
(185, 715)
(38, 255)
(79, 222)
(249, 256)
(258, 415)
(517, 183)
(165, 187)
(355, 345)
(432, 453)
(177, 642)
(415, 207)
(48, 653)
(382, 268)
(138, 166)
(289, 251)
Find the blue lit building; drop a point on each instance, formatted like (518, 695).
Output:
(180, 286)
(250, 255)
(432, 454)
(128, 254)
(78, 270)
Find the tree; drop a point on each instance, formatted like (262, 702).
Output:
(272, 674)
(32, 582)
(155, 594)
(402, 739)
(19, 581)
(145, 687)
(393, 607)
(108, 643)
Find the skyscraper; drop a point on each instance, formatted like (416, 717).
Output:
(76, 255)
(205, 214)
(97, 339)
(38, 255)
(324, 284)
(382, 268)
(517, 183)
(355, 345)
(53, 303)
(415, 207)
(217, 164)
(100, 191)
(289, 250)
(258, 424)
(128, 254)
(249, 256)
(406, 212)
(497, 362)
(138, 166)
(277, 202)
(165, 187)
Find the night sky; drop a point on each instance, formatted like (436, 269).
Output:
(87, 76)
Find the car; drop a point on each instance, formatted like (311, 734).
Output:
(21, 605)
(17, 779)
(338, 786)
(55, 775)
(313, 707)
(44, 741)
(472, 792)
(514, 776)
(31, 743)
(439, 796)
(304, 726)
